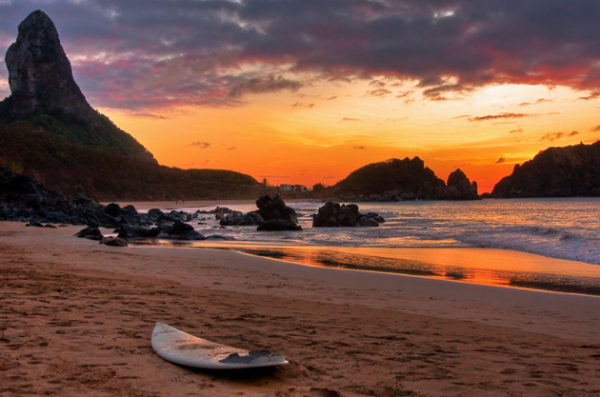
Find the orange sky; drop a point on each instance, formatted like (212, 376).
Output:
(324, 131)
(303, 91)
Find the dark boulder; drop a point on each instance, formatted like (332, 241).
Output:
(342, 215)
(114, 242)
(221, 211)
(367, 222)
(129, 210)
(189, 235)
(113, 209)
(335, 215)
(128, 231)
(179, 231)
(375, 216)
(166, 227)
(84, 202)
(276, 225)
(155, 212)
(270, 208)
(180, 227)
(237, 218)
(167, 218)
(91, 233)
(220, 237)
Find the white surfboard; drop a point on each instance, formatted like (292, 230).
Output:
(184, 349)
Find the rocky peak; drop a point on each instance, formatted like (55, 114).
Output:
(45, 94)
(460, 187)
(40, 76)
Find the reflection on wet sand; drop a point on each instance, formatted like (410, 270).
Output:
(470, 265)
(520, 274)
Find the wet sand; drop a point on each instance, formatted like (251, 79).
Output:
(76, 319)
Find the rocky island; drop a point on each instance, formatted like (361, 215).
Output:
(398, 180)
(555, 172)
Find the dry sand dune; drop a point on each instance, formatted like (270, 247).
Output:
(76, 319)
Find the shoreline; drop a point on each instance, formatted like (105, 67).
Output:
(172, 205)
(160, 261)
(472, 265)
(76, 319)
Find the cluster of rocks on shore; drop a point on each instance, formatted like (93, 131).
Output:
(23, 199)
(26, 200)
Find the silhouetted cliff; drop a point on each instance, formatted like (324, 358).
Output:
(555, 172)
(406, 179)
(49, 132)
(44, 93)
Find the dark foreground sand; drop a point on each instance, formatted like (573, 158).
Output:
(76, 319)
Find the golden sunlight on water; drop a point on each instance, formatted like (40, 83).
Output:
(470, 265)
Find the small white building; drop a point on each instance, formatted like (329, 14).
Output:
(287, 188)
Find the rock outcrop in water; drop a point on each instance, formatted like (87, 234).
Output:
(398, 180)
(555, 172)
(342, 215)
(272, 215)
(459, 187)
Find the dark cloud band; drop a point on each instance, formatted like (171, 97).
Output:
(138, 55)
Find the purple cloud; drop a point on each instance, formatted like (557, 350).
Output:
(201, 145)
(144, 55)
(552, 136)
(501, 116)
(593, 95)
(303, 105)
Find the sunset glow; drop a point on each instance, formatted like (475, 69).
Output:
(303, 94)
(306, 138)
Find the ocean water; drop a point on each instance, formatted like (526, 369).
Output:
(555, 228)
(420, 238)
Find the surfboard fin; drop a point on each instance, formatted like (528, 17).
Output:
(253, 357)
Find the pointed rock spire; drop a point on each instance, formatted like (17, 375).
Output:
(40, 76)
(41, 83)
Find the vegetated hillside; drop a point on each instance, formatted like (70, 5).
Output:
(555, 172)
(44, 93)
(406, 179)
(99, 134)
(70, 168)
(49, 132)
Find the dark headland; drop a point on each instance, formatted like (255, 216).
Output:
(555, 172)
(49, 132)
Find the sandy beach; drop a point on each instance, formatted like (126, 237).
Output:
(76, 319)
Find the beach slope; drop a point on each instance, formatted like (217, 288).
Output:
(76, 319)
